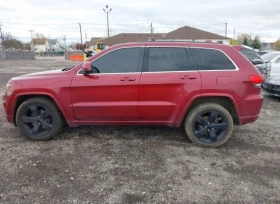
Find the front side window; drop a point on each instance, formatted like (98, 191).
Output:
(210, 59)
(164, 59)
(118, 61)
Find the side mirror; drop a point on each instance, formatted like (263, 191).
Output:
(86, 67)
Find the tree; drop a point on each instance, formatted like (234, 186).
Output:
(233, 42)
(39, 36)
(26, 46)
(277, 45)
(244, 38)
(11, 42)
(80, 46)
(256, 42)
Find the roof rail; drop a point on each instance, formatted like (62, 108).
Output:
(179, 41)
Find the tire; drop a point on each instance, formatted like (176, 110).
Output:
(39, 119)
(209, 132)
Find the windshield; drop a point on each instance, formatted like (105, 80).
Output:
(250, 54)
(270, 56)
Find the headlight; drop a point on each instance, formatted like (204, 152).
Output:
(8, 87)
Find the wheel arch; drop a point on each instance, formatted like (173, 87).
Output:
(226, 101)
(21, 98)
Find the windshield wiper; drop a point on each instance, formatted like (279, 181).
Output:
(67, 68)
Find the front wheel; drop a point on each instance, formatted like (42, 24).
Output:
(209, 125)
(39, 119)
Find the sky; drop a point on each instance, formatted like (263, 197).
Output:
(55, 18)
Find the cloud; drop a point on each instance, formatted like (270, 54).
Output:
(258, 17)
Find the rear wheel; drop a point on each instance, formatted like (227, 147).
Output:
(39, 119)
(209, 125)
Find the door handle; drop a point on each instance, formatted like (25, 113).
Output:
(127, 79)
(188, 77)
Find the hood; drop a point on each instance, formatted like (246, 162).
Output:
(275, 79)
(37, 75)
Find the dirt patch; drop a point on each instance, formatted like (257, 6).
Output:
(137, 164)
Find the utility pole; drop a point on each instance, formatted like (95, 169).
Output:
(234, 33)
(2, 43)
(31, 45)
(107, 11)
(81, 34)
(226, 30)
(86, 40)
(151, 28)
(2, 38)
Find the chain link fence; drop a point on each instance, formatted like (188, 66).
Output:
(17, 55)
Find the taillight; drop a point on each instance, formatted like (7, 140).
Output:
(257, 80)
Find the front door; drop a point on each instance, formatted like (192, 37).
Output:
(111, 94)
(166, 84)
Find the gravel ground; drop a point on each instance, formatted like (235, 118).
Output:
(137, 164)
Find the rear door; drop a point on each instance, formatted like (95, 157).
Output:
(167, 84)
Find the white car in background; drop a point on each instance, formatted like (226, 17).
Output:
(273, 58)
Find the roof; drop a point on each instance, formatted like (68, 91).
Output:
(39, 41)
(183, 33)
(130, 37)
(226, 48)
(93, 40)
(172, 44)
(187, 32)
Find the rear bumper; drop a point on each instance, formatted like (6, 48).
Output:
(250, 108)
(249, 119)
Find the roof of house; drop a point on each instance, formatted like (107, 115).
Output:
(93, 40)
(187, 32)
(39, 41)
(183, 33)
(131, 37)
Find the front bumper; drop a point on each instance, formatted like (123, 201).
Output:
(271, 89)
(7, 107)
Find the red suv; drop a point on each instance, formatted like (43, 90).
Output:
(204, 87)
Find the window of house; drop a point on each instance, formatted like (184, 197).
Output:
(118, 61)
(210, 59)
(164, 59)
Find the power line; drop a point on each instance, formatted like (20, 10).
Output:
(85, 23)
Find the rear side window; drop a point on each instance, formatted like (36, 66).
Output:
(118, 61)
(164, 59)
(209, 59)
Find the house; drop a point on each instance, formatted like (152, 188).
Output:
(55, 46)
(91, 44)
(185, 33)
(40, 45)
(267, 46)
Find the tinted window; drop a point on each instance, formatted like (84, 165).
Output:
(209, 59)
(118, 61)
(167, 59)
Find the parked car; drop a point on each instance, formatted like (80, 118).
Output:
(273, 58)
(272, 85)
(262, 52)
(207, 88)
(255, 58)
